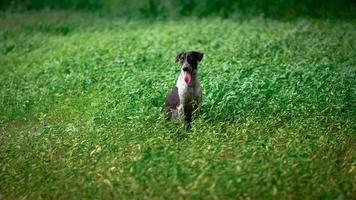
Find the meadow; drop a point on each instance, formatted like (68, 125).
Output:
(82, 95)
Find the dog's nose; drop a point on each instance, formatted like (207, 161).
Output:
(185, 68)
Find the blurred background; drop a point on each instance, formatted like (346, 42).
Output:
(200, 8)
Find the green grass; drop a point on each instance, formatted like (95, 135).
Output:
(81, 108)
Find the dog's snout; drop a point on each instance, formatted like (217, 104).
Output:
(185, 68)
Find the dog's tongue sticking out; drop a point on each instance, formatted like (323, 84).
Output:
(187, 77)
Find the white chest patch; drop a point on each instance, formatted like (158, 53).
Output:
(187, 93)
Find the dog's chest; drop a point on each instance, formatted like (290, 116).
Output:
(188, 93)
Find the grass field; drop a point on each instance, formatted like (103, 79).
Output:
(81, 108)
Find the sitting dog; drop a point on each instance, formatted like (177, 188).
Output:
(186, 97)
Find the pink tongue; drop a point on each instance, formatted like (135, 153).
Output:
(187, 77)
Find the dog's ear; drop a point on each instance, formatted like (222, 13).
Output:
(178, 57)
(198, 55)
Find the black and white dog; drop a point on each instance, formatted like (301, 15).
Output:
(186, 97)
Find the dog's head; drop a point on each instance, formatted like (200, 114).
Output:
(189, 63)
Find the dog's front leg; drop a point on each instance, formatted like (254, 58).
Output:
(180, 110)
(180, 107)
(197, 102)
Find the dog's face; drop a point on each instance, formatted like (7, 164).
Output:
(189, 63)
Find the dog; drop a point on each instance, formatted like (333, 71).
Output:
(186, 96)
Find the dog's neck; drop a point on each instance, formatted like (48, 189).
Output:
(180, 81)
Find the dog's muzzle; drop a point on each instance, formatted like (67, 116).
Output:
(186, 67)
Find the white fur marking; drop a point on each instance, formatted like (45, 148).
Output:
(187, 92)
